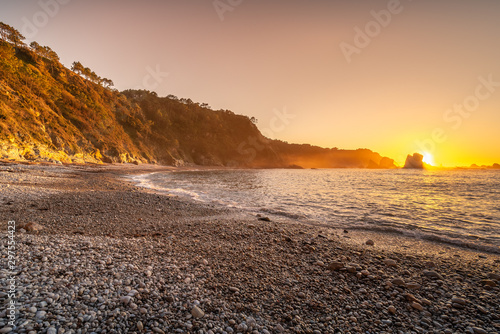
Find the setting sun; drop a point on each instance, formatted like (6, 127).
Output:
(428, 158)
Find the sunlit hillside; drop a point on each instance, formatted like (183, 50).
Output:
(51, 113)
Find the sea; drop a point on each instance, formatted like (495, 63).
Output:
(460, 207)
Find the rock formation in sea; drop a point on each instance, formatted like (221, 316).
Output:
(414, 161)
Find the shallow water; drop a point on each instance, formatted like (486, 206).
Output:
(460, 206)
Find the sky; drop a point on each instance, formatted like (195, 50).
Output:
(396, 77)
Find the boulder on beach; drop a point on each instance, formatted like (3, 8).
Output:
(414, 161)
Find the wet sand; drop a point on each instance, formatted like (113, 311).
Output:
(110, 257)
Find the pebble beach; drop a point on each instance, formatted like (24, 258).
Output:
(96, 254)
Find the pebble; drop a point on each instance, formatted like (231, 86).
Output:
(391, 309)
(411, 298)
(413, 286)
(432, 274)
(482, 309)
(125, 299)
(301, 295)
(197, 312)
(457, 300)
(279, 328)
(417, 306)
(398, 281)
(51, 330)
(351, 269)
(430, 264)
(139, 325)
(488, 282)
(251, 322)
(390, 262)
(40, 314)
(335, 265)
(426, 301)
(494, 276)
(234, 289)
(6, 330)
(478, 330)
(370, 242)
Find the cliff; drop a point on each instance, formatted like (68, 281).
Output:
(51, 113)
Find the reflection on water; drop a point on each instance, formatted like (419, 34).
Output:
(458, 205)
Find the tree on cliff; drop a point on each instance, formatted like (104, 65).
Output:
(77, 67)
(107, 82)
(44, 51)
(86, 72)
(10, 34)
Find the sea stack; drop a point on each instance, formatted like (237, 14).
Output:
(414, 161)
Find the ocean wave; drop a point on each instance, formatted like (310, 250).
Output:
(283, 213)
(429, 236)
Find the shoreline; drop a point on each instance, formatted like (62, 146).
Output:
(386, 232)
(104, 240)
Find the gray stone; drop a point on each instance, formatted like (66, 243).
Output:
(40, 314)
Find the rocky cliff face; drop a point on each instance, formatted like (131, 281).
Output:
(50, 113)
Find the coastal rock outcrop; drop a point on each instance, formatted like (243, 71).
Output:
(414, 161)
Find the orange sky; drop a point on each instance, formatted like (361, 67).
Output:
(424, 78)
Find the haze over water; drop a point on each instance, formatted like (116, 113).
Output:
(459, 207)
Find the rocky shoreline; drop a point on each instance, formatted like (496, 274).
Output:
(102, 256)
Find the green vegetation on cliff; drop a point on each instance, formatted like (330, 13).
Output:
(49, 112)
